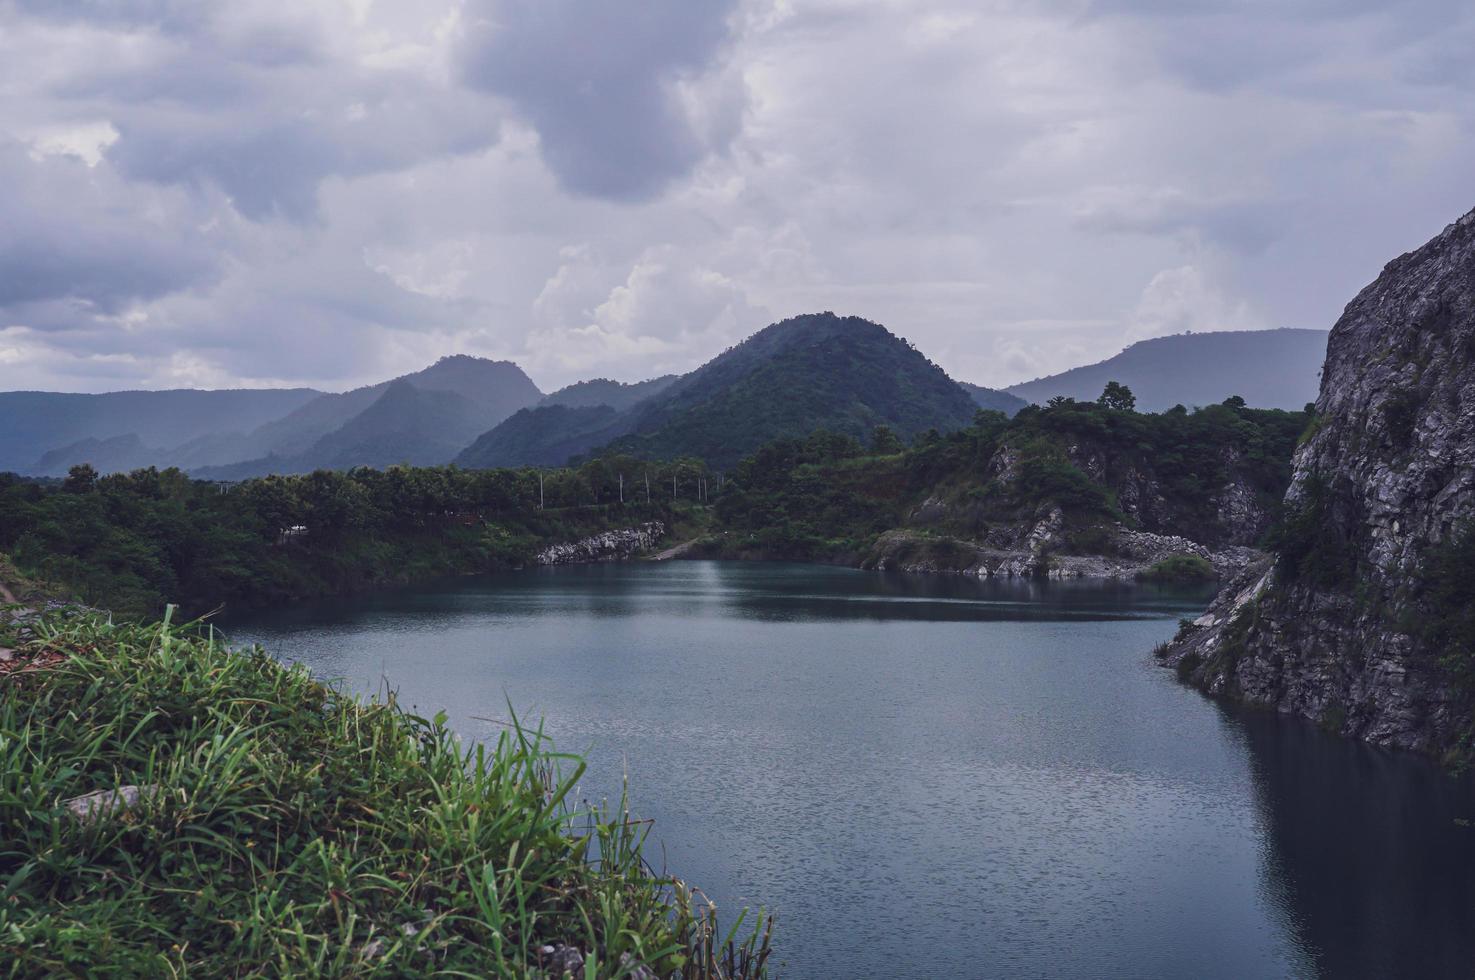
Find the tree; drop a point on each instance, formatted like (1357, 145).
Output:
(81, 478)
(1234, 401)
(885, 441)
(1118, 397)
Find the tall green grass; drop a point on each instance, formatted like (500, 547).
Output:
(298, 831)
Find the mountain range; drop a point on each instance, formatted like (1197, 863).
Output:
(1267, 368)
(814, 371)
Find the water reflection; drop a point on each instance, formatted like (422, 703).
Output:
(1370, 854)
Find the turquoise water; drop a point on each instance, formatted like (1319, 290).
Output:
(928, 776)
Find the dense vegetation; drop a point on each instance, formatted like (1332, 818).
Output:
(830, 495)
(282, 828)
(133, 542)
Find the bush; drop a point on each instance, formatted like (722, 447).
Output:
(1180, 570)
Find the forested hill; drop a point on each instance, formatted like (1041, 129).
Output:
(819, 371)
(1070, 479)
(1267, 368)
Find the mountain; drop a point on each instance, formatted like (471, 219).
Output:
(1267, 368)
(405, 424)
(1365, 623)
(818, 371)
(425, 417)
(39, 422)
(993, 399)
(546, 435)
(602, 391)
(118, 454)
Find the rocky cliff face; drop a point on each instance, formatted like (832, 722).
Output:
(609, 546)
(1360, 623)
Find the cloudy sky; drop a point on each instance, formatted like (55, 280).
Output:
(284, 192)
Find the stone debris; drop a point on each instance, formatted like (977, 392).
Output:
(617, 545)
(1132, 553)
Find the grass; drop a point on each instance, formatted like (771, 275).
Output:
(294, 830)
(1180, 570)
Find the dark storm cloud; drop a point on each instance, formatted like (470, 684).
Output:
(596, 81)
(73, 235)
(261, 111)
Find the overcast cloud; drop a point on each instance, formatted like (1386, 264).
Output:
(332, 193)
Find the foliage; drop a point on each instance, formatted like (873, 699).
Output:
(1181, 570)
(1447, 591)
(820, 497)
(1310, 545)
(1119, 398)
(133, 541)
(287, 829)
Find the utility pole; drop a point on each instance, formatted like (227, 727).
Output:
(540, 489)
(647, 486)
(673, 486)
(622, 488)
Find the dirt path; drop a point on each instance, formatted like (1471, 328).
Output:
(7, 595)
(674, 552)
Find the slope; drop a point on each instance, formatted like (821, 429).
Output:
(1268, 368)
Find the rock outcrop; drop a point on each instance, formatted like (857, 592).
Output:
(1351, 625)
(615, 545)
(1131, 554)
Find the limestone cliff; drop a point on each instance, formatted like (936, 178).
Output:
(1364, 621)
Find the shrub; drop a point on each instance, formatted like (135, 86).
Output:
(1180, 570)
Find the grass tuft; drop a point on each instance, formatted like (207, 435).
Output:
(288, 829)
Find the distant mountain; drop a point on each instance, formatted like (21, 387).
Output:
(1268, 368)
(405, 424)
(993, 399)
(114, 455)
(810, 372)
(36, 423)
(602, 391)
(546, 435)
(424, 418)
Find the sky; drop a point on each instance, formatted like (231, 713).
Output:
(285, 192)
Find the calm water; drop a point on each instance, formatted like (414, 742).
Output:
(930, 776)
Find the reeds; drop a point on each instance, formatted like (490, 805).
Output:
(288, 829)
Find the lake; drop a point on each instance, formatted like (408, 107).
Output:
(929, 776)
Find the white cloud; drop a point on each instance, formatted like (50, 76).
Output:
(1182, 300)
(336, 192)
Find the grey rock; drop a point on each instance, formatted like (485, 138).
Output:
(1393, 453)
(104, 803)
(562, 960)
